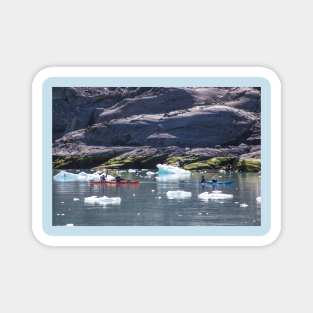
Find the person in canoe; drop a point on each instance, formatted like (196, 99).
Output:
(202, 181)
(103, 176)
(118, 179)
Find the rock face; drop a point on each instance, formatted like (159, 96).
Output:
(151, 125)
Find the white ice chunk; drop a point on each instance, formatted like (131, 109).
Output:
(243, 205)
(216, 195)
(69, 225)
(75, 199)
(65, 176)
(102, 200)
(171, 178)
(149, 173)
(109, 178)
(178, 194)
(258, 199)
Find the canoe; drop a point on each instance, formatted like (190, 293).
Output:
(113, 182)
(226, 182)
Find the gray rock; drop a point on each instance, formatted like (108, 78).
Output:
(196, 127)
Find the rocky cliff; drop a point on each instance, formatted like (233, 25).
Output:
(140, 127)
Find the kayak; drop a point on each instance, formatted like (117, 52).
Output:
(113, 182)
(226, 182)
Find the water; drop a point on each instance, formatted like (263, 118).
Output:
(147, 204)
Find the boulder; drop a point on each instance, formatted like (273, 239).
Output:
(196, 127)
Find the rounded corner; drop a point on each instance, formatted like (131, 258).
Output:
(270, 75)
(42, 75)
(42, 237)
(271, 236)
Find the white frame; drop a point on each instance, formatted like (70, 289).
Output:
(37, 162)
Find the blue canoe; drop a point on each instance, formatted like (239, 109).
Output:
(225, 182)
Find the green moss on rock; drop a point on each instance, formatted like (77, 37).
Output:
(77, 162)
(185, 159)
(249, 165)
(212, 163)
(138, 161)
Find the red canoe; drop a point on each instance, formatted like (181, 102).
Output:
(113, 182)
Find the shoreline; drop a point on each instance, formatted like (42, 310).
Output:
(190, 162)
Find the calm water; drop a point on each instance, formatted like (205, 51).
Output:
(147, 203)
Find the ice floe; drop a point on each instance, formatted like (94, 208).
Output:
(75, 199)
(102, 200)
(149, 173)
(258, 199)
(215, 195)
(178, 194)
(65, 176)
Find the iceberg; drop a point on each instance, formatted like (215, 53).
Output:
(178, 194)
(65, 176)
(215, 195)
(171, 178)
(102, 200)
(258, 199)
(149, 173)
(171, 173)
(170, 170)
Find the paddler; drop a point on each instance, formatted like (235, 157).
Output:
(103, 176)
(203, 181)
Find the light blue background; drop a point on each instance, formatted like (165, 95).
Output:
(157, 82)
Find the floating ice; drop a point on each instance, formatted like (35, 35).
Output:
(178, 194)
(109, 178)
(258, 199)
(69, 225)
(170, 170)
(131, 171)
(171, 178)
(215, 195)
(65, 176)
(75, 199)
(102, 200)
(243, 205)
(149, 173)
